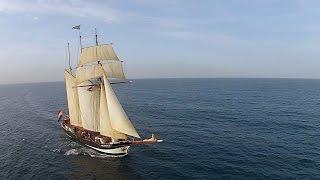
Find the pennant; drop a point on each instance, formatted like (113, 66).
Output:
(76, 27)
(60, 115)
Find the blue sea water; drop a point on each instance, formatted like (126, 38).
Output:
(212, 129)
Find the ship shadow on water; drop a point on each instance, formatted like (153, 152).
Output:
(88, 152)
(90, 164)
(86, 163)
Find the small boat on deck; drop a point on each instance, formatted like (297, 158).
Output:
(96, 118)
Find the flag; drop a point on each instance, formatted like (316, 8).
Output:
(76, 27)
(60, 115)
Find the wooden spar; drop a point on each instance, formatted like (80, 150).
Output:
(146, 142)
(143, 142)
(152, 140)
(69, 57)
(91, 85)
(80, 42)
(120, 82)
(101, 63)
(96, 35)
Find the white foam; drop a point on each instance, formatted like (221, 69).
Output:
(89, 152)
(71, 152)
(56, 150)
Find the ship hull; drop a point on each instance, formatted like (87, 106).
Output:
(119, 152)
(112, 150)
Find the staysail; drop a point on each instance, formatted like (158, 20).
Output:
(118, 118)
(89, 102)
(73, 101)
(105, 125)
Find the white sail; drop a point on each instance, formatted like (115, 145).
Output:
(112, 69)
(105, 125)
(73, 101)
(89, 72)
(97, 53)
(89, 100)
(118, 118)
(116, 69)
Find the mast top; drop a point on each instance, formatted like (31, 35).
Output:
(69, 60)
(96, 36)
(78, 28)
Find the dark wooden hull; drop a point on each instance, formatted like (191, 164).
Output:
(120, 149)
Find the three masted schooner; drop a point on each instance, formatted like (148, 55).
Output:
(96, 118)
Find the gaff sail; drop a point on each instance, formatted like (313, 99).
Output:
(73, 100)
(89, 102)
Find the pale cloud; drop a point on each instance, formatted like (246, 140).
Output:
(87, 9)
(247, 38)
(94, 10)
(159, 4)
(205, 37)
(175, 27)
(79, 8)
(164, 22)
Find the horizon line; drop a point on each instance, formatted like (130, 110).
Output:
(289, 78)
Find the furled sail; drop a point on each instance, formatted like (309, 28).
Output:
(118, 118)
(73, 101)
(105, 125)
(113, 69)
(89, 102)
(97, 53)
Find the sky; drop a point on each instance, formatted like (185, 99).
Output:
(164, 38)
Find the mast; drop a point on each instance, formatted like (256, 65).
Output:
(69, 56)
(96, 36)
(73, 99)
(80, 41)
(78, 28)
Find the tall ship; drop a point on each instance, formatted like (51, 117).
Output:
(96, 118)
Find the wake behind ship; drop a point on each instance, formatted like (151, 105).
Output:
(96, 118)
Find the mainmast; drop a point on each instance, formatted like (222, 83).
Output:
(80, 41)
(96, 36)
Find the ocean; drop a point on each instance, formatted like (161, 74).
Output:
(212, 129)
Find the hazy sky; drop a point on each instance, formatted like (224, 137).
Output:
(164, 38)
